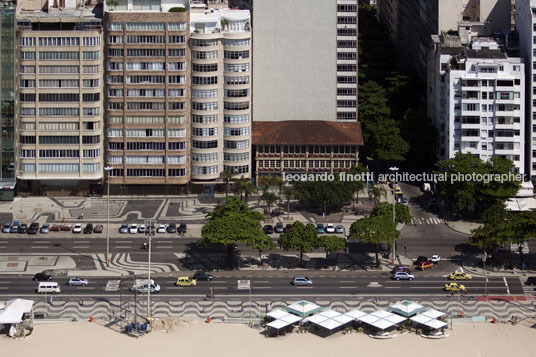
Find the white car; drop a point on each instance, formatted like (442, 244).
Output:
(77, 228)
(435, 259)
(141, 228)
(330, 228)
(133, 228)
(161, 229)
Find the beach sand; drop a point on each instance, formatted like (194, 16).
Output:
(197, 338)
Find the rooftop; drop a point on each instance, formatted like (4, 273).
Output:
(303, 132)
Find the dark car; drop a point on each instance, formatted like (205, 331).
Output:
(202, 276)
(287, 228)
(531, 280)
(268, 229)
(182, 228)
(14, 227)
(98, 228)
(42, 277)
(23, 228)
(279, 227)
(400, 268)
(88, 229)
(421, 259)
(172, 228)
(34, 227)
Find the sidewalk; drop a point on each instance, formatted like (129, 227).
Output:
(462, 227)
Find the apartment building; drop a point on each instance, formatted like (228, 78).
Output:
(221, 56)
(8, 96)
(59, 109)
(480, 101)
(526, 27)
(147, 93)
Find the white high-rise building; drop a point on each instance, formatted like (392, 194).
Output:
(526, 27)
(480, 104)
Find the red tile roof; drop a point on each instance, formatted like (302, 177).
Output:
(302, 132)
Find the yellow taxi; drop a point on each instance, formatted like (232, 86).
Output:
(460, 275)
(185, 281)
(455, 287)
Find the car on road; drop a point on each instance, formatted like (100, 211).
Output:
(133, 228)
(339, 229)
(400, 268)
(34, 228)
(76, 281)
(45, 228)
(77, 228)
(268, 229)
(23, 228)
(455, 287)
(401, 275)
(301, 281)
(141, 286)
(123, 228)
(14, 227)
(435, 259)
(279, 228)
(403, 200)
(182, 228)
(288, 227)
(98, 228)
(42, 277)
(185, 281)
(161, 229)
(88, 229)
(421, 259)
(330, 228)
(460, 275)
(425, 265)
(172, 228)
(202, 276)
(320, 228)
(6, 228)
(141, 228)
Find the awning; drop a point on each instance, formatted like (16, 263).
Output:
(329, 313)
(382, 324)
(436, 324)
(396, 319)
(381, 314)
(278, 324)
(290, 318)
(355, 314)
(432, 313)
(421, 319)
(330, 324)
(343, 319)
(368, 318)
(276, 313)
(316, 319)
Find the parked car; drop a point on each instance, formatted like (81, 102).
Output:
(98, 228)
(435, 259)
(403, 200)
(455, 287)
(23, 228)
(141, 286)
(460, 275)
(133, 228)
(6, 228)
(400, 268)
(182, 228)
(161, 229)
(531, 280)
(45, 228)
(268, 229)
(425, 265)
(185, 281)
(88, 229)
(34, 228)
(320, 228)
(172, 228)
(330, 228)
(339, 229)
(65, 228)
(288, 226)
(279, 227)
(76, 281)
(301, 281)
(421, 259)
(202, 276)
(42, 277)
(55, 228)
(141, 228)
(123, 228)
(402, 275)
(14, 227)
(77, 228)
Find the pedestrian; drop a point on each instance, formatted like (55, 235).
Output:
(82, 301)
(377, 299)
(514, 271)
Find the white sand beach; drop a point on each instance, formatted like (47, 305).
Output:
(196, 338)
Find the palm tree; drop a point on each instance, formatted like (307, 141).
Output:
(288, 192)
(266, 182)
(226, 175)
(376, 192)
(246, 187)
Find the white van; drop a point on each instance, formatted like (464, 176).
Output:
(48, 287)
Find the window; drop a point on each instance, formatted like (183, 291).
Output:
(204, 43)
(115, 105)
(346, 79)
(63, 112)
(176, 52)
(58, 126)
(27, 112)
(115, 26)
(115, 120)
(181, 119)
(237, 169)
(241, 67)
(90, 41)
(91, 55)
(144, 146)
(204, 170)
(204, 93)
(228, 144)
(145, 26)
(115, 39)
(179, 145)
(196, 67)
(27, 153)
(115, 52)
(27, 41)
(347, 91)
(203, 54)
(145, 79)
(58, 56)
(204, 144)
(176, 26)
(90, 125)
(235, 105)
(235, 54)
(236, 43)
(145, 119)
(24, 125)
(91, 97)
(115, 66)
(27, 69)
(236, 131)
(175, 93)
(59, 41)
(236, 93)
(59, 97)
(176, 172)
(144, 160)
(204, 131)
(204, 119)
(346, 8)
(145, 52)
(27, 167)
(146, 172)
(145, 39)
(59, 167)
(27, 97)
(115, 145)
(91, 167)
(90, 83)
(90, 139)
(346, 103)
(145, 106)
(345, 56)
(145, 92)
(59, 153)
(115, 133)
(176, 160)
(115, 92)
(176, 66)
(145, 66)
(176, 39)
(234, 119)
(347, 32)
(176, 105)
(204, 80)
(237, 80)
(25, 55)
(177, 79)
(236, 157)
(59, 83)
(114, 79)
(54, 140)
(137, 133)
(26, 139)
(27, 83)
(347, 44)
(205, 105)
(205, 157)
(91, 69)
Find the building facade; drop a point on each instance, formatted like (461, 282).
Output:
(480, 102)
(8, 96)
(59, 111)
(147, 93)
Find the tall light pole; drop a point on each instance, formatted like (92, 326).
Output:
(149, 232)
(107, 169)
(394, 169)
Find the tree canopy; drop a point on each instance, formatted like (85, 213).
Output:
(300, 237)
(334, 193)
(331, 244)
(375, 230)
(402, 214)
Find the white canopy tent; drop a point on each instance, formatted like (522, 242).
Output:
(330, 324)
(436, 324)
(396, 319)
(277, 313)
(381, 314)
(406, 308)
(421, 319)
(291, 319)
(329, 313)
(278, 324)
(355, 314)
(382, 324)
(368, 318)
(428, 321)
(14, 311)
(432, 313)
(303, 308)
(316, 319)
(343, 319)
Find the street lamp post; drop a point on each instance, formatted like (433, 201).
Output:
(149, 232)
(108, 169)
(395, 170)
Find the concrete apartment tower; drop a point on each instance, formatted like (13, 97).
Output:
(59, 109)
(147, 95)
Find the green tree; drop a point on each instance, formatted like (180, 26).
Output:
(331, 244)
(264, 244)
(372, 102)
(269, 198)
(375, 193)
(473, 192)
(357, 185)
(383, 140)
(334, 193)
(496, 231)
(288, 193)
(300, 237)
(402, 214)
(226, 175)
(246, 187)
(375, 230)
(232, 223)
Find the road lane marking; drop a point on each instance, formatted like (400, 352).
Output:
(3, 246)
(80, 246)
(81, 241)
(506, 284)
(261, 287)
(4, 287)
(164, 247)
(220, 287)
(165, 241)
(122, 246)
(346, 281)
(86, 288)
(38, 247)
(261, 281)
(392, 287)
(219, 282)
(347, 287)
(40, 242)
(126, 241)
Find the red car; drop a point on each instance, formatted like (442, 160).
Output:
(400, 268)
(287, 228)
(425, 265)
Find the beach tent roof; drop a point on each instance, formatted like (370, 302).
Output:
(406, 308)
(355, 314)
(435, 324)
(329, 313)
(290, 318)
(395, 319)
(14, 310)
(382, 324)
(303, 308)
(368, 318)
(432, 313)
(316, 319)
(381, 314)
(343, 319)
(277, 313)
(421, 319)
(330, 324)
(278, 324)
(10, 316)
(20, 305)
